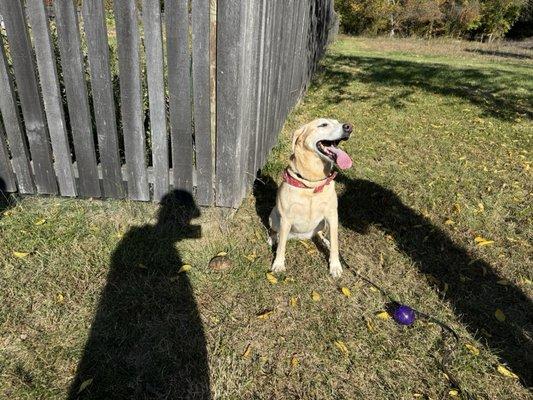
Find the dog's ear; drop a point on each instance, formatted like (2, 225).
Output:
(297, 133)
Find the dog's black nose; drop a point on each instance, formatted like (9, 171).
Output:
(348, 128)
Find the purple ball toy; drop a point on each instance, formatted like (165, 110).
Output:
(404, 315)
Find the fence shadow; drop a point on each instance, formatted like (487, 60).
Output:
(472, 288)
(6, 199)
(146, 340)
(487, 89)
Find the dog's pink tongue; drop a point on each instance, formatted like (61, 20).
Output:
(343, 160)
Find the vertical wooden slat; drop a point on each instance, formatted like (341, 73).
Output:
(179, 79)
(15, 135)
(76, 90)
(7, 178)
(130, 99)
(201, 100)
(34, 120)
(151, 14)
(102, 93)
(229, 101)
(53, 103)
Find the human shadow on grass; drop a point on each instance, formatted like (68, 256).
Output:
(487, 89)
(471, 283)
(146, 340)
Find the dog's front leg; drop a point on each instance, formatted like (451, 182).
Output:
(279, 262)
(335, 268)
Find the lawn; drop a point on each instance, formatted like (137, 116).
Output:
(95, 303)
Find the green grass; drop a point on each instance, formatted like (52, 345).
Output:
(441, 154)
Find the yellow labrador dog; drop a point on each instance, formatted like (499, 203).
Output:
(306, 204)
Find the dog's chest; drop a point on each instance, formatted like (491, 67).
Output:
(306, 212)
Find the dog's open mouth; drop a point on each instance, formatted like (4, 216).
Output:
(330, 149)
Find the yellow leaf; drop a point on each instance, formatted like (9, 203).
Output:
(84, 385)
(315, 296)
(294, 361)
(472, 349)
(305, 244)
(369, 325)
(293, 302)
(505, 372)
(222, 253)
(40, 221)
(449, 222)
(457, 208)
(453, 393)
(481, 241)
(265, 314)
(481, 207)
(271, 278)
(185, 268)
(345, 291)
(247, 351)
(500, 316)
(251, 257)
(339, 344)
(373, 289)
(60, 298)
(288, 279)
(384, 315)
(20, 254)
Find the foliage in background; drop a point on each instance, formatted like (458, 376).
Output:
(456, 18)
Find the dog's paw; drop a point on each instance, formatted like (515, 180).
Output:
(335, 269)
(278, 267)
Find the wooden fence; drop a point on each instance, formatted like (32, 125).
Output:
(144, 97)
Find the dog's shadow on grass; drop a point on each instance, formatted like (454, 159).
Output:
(146, 340)
(472, 284)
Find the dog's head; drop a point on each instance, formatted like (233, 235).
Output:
(317, 143)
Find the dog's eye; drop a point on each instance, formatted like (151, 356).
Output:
(323, 125)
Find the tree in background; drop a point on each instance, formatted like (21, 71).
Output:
(457, 18)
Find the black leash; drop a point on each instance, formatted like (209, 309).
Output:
(448, 353)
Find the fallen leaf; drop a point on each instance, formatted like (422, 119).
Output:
(345, 291)
(453, 393)
(247, 351)
(369, 325)
(481, 241)
(472, 349)
(185, 268)
(339, 344)
(384, 315)
(315, 296)
(20, 254)
(222, 253)
(500, 316)
(40, 221)
(505, 372)
(84, 385)
(251, 257)
(265, 314)
(481, 207)
(449, 222)
(293, 302)
(288, 279)
(457, 208)
(373, 289)
(271, 278)
(294, 361)
(60, 298)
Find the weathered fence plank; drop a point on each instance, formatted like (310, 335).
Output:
(179, 77)
(202, 101)
(53, 104)
(151, 15)
(76, 91)
(13, 128)
(229, 102)
(34, 120)
(102, 93)
(130, 99)
(7, 178)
